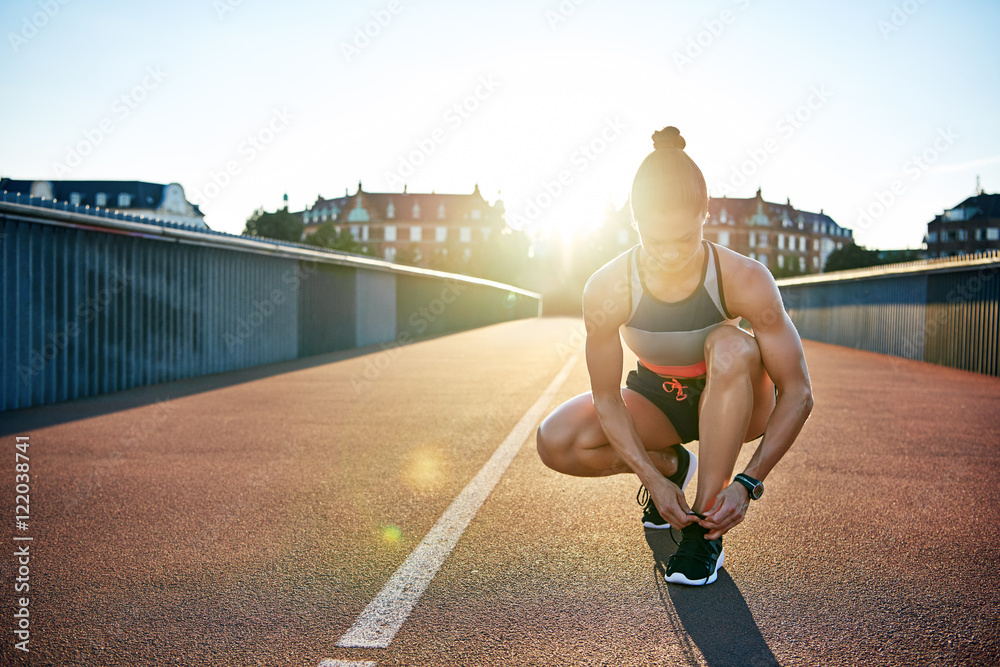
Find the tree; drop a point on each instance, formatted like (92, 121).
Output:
(280, 225)
(789, 270)
(327, 236)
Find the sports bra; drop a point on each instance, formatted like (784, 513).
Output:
(669, 337)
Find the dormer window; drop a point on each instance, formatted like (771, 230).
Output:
(390, 211)
(358, 214)
(74, 198)
(101, 199)
(441, 214)
(476, 214)
(416, 211)
(124, 200)
(723, 216)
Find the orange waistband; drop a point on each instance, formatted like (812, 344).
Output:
(692, 371)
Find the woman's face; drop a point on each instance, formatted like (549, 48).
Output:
(671, 240)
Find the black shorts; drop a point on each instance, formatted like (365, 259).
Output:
(677, 398)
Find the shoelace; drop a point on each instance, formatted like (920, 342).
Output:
(700, 516)
(696, 550)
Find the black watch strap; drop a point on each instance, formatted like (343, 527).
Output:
(754, 487)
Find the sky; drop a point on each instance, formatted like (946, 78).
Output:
(881, 114)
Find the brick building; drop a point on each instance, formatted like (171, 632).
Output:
(972, 226)
(423, 225)
(778, 236)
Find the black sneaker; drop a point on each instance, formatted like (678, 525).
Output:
(698, 560)
(686, 464)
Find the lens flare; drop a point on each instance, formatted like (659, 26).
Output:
(391, 534)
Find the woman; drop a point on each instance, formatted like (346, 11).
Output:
(677, 301)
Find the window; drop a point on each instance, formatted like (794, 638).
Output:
(323, 217)
(355, 232)
(390, 234)
(364, 232)
(74, 198)
(390, 254)
(390, 211)
(961, 235)
(753, 242)
(802, 244)
(815, 245)
(358, 214)
(993, 233)
(762, 259)
(124, 200)
(802, 264)
(476, 214)
(781, 244)
(932, 237)
(416, 232)
(101, 199)
(723, 217)
(781, 261)
(839, 245)
(753, 255)
(979, 234)
(815, 262)
(723, 238)
(465, 234)
(441, 234)
(441, 214)
(762, 240)
(416, 211)
(945, 237)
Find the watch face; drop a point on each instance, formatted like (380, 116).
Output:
(758, 490)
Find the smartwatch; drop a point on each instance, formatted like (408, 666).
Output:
(754, 487)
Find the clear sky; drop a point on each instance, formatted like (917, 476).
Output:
(884, 106)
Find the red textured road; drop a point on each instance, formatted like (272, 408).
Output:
(249, 518)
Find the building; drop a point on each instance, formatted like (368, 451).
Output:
(417, 224)
(972, 226)
(153, 200)
(779, 236)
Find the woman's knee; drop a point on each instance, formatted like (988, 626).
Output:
(731, 352)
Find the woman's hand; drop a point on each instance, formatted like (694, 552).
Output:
(729, 508)
(670, 502)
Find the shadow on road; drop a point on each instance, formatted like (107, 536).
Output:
(715, 617)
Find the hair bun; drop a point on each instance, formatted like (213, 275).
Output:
(668, 137)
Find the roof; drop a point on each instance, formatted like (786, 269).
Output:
(142, 194)
(377, 204)
(742, 209)
(982, 206)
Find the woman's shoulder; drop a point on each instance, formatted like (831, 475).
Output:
(609, 286)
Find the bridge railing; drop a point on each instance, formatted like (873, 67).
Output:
(96, 301)
(945, 311)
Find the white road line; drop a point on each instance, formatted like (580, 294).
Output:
(382, 618)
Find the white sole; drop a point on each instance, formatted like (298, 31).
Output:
(692, 465)
(679, 578)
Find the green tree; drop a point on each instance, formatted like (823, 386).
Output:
(280, 225)
(327, 236)
(789, 270)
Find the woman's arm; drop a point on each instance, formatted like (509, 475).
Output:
(605, 309)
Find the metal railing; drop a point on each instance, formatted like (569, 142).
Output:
(96, 301)
(945, 311)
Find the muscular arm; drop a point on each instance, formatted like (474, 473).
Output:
(605, 308)
(756, 297)
(759, 301)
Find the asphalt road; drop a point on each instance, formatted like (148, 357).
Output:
(249, 518)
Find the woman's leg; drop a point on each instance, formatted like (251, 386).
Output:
(735, 406)
(571, 440)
